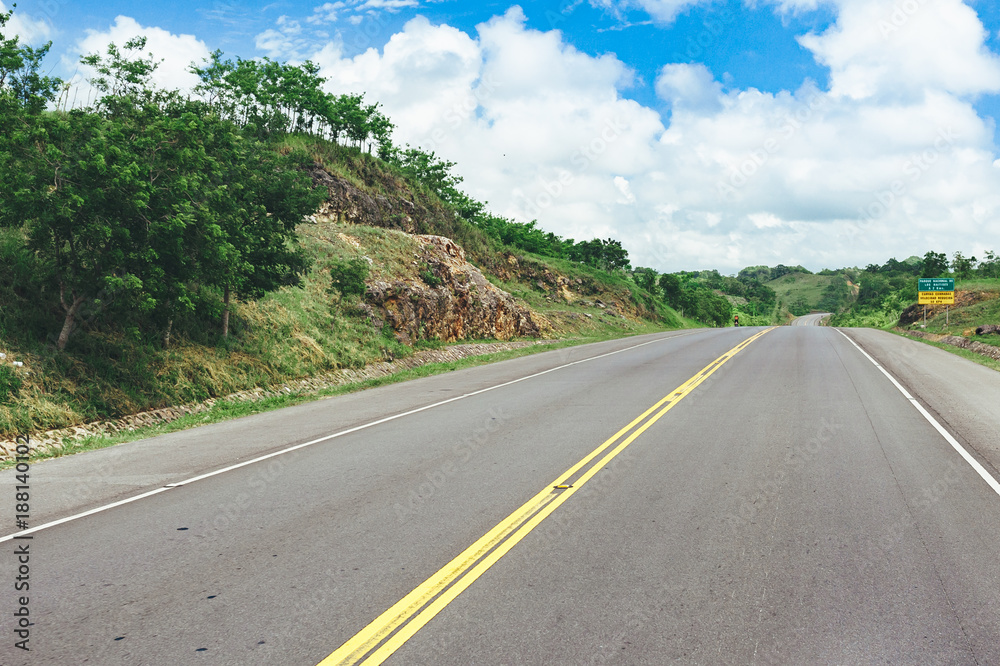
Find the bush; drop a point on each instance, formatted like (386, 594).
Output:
(348, 277)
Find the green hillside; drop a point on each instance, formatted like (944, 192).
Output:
(801, 293)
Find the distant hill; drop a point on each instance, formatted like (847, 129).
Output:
(801, 293)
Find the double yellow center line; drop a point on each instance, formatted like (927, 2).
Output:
(390, 630)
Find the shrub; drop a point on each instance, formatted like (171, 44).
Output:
(348, 277)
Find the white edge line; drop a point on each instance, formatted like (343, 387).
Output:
(325, 438)
(987, 477)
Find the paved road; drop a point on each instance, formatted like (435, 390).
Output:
(814, 319)
(791, 506)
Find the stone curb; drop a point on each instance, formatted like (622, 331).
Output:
(957, 341)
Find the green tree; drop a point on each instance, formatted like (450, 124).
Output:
(873, 289)
(935, 264)
(646, 278)
(670, 285)
(990, 266)
(963, 266)
(149, 196)
(258, 198)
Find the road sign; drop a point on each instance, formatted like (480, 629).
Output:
(936, 298)
(936, 291)
(936, 284)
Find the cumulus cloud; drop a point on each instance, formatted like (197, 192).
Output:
(285, 40)
(892, 159)
(691, 86)
(177, 52)
(892, 49)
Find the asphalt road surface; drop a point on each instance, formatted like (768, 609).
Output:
(783, 502)
(814, 319)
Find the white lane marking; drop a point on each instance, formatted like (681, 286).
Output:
(178, 484)
(987, 477)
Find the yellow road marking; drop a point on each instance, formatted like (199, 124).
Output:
(417, 608)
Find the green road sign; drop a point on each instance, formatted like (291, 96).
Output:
(936, 284)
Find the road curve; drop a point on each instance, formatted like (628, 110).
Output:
(813, 319)
(792, 506)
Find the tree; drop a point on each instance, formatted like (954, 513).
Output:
(149, 196)
(873, 289)
(670, 285)
(935, 264)
(963, 266)
(430, 171)
(21, 85)
(259, 197)
(990, 266)
(646, 278)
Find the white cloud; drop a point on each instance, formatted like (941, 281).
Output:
(623, 186)
(892, 160)
(889, 49)
(690, 86)
(32, 31)
(177, 52)
(286, 41)
(327, 12)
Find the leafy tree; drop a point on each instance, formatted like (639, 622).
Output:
(646, 278)
(430, 171)
(670, 285)
(254, 200)
(963, 266)
(990, 266)
(873, 289)
(755, 273)
(149, 196)
(935, 264)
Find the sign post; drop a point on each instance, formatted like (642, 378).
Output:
(936, 291)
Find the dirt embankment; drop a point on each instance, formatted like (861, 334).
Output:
(451, 300)
(915, 313)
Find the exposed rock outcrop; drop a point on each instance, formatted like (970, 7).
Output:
(347, 204)
(915, 313)
(450, 300)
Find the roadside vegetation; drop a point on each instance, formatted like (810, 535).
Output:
(153, 249)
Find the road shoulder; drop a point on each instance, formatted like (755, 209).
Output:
(961, 394)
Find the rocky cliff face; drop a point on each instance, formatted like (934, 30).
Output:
(444, 296)
(449, 299)
(347, 204)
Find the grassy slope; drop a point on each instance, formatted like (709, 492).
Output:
(964, 320)
(108, 371)
(794, 286)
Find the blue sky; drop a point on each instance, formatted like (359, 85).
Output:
(703, 133)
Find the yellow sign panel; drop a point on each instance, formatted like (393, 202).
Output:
(936, 298)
